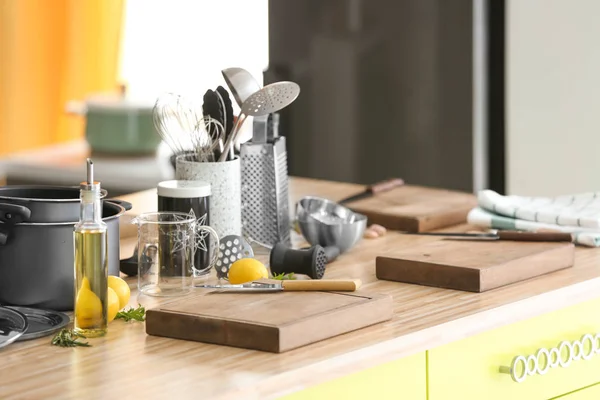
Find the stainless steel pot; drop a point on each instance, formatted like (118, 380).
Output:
(46, 203)
(36, 259)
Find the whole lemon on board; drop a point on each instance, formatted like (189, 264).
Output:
(113, 305)
(88, 307)
(246, 270)
(121, 288)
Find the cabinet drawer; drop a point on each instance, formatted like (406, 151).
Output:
(470, 368)
(588, 393)
(400, 379)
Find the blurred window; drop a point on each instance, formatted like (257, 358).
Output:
(182, 45)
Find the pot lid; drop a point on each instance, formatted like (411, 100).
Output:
(116, 102)
(183, 189)
(41, 322)
(13, 324)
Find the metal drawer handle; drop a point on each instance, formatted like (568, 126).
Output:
(560, 356)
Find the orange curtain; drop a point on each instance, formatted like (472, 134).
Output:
(52, 52)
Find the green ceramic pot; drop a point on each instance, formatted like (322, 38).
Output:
(117, 125)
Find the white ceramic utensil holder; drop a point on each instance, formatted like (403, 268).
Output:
(225, 212)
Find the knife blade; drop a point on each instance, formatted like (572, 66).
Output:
(522, 236)
(290, 285)
(245, 287)
(373, 189)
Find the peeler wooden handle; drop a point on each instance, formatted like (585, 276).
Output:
(385, 185)
(349, 285)
(535, 236)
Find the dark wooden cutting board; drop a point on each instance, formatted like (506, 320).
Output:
(474, 266)
(416, 208)
(274, 322)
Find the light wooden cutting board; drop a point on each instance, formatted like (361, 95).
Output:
(416, 208)
(474, 266)
(274, 322)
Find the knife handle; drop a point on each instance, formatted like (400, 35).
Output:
(385, 185)
(535, 236)
(324, 285)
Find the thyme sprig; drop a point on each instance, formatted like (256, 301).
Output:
(138, 314)
(69, 338)
(283, 276)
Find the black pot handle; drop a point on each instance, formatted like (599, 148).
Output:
(11, 214)
(125, 204)
(14, 213)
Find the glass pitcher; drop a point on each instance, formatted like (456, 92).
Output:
(167, 245)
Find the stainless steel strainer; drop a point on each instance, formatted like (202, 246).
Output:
(267, 100)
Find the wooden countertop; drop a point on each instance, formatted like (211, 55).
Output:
(129, 361)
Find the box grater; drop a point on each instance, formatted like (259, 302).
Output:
(265, 198)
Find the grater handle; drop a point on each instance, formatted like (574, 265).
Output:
(273, 127)
(259, 129)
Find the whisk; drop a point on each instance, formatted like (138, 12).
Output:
(175, 119)
(207, 137)
(183, 128)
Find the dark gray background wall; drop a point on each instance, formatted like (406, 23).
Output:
(386, 88)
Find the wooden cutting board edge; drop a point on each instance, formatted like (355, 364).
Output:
(563, 257)
(378, 308)
(197, 328)
(416, 224)
(271, 335)
(384, 271)
(458, 216)
(473, 280)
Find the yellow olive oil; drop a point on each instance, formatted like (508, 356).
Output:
(91, 282)
(91, 261)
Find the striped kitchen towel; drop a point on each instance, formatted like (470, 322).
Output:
(581, 210)
(577, 214)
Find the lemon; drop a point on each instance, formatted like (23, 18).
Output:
(246, 270)
(88, 307)
(113, 305)
(121, 288)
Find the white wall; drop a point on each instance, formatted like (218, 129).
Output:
(181, 46)
(553, 96)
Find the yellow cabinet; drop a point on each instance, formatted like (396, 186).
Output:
(401, 379)
(470, 368)
(589, 393)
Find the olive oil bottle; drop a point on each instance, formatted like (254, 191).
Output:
(91, 258)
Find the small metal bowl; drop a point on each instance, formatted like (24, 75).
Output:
(327, 223)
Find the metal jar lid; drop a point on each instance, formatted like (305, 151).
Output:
(183, 189)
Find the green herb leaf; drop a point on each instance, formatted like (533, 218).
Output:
(283, 276)
(69, 338)
(138, 314)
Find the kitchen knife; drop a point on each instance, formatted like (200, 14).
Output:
(291, 285)
(373, 189)
(506, 235)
